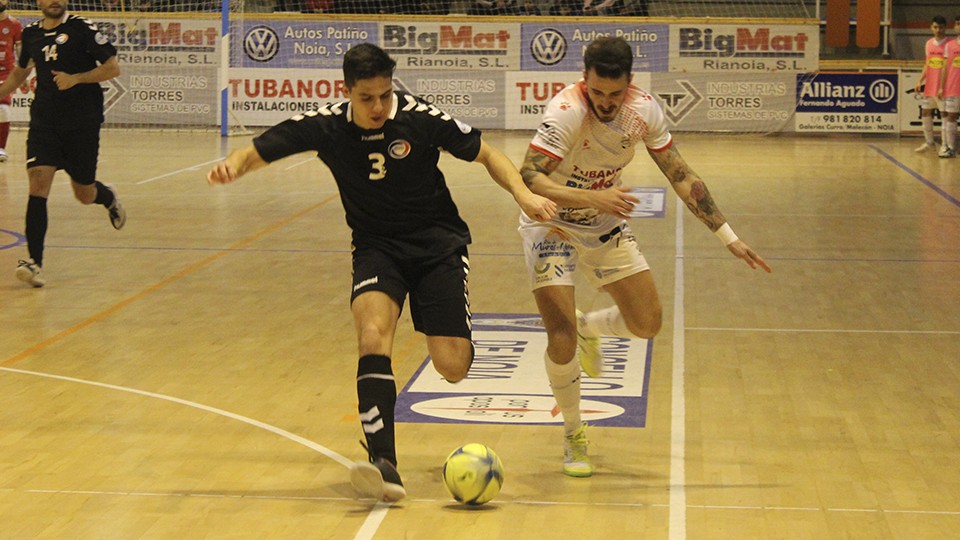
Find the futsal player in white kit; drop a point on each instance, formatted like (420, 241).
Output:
(589, 133)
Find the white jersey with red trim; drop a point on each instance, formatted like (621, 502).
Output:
(593, 153)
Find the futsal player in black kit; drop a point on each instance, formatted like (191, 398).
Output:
(72, 57)
(382, 147)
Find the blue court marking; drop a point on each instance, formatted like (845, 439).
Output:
(21, 240)
(18, 239)
(508, 391)
(184, 248)
(916, 175)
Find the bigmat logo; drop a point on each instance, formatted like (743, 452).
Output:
(507, 383)
(744, 43)
(758, 48)
(451, 46)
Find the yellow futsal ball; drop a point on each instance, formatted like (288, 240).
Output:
(473, 474)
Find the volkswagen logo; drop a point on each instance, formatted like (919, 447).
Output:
(261, 44)
(548, 46)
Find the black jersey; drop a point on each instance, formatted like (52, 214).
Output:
(394, 194)
(75, 46)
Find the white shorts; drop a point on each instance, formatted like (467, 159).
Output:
(604, 253)
(931, 102)
(951, 104)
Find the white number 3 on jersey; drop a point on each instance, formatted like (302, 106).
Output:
(379, 171)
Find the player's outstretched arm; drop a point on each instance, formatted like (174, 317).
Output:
(16, 78)
(503, 172)
(535, 170)
(743, 251)
(694, 193)
(237, 164)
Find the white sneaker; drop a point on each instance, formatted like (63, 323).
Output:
(29, 272)
(945, 152)
(3, 155)
(575, 460)
(588, 349)
(924, 147)
(118, 216)
(378, 479)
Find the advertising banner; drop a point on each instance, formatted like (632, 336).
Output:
(482, 46)
(847, 102)
(560, 46)
(527, 94)
(910, 105)
(168, 73)
(744, 48)
(298, 44)
(493, 75)
(473, 97)
(264, 97)
(739, 102)
(507, 383)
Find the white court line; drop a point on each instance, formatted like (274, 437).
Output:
(178, 171)
(373, 521)
(678, 416)
(383, 506)
(374, 518)
(256, 423)
(299, 163)
(210, 495)
(820, 330)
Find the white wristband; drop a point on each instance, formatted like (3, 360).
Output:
(726, 234)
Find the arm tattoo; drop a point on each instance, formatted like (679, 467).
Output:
(671, 165)
(702, 205)
(536, 163)
(698, 200)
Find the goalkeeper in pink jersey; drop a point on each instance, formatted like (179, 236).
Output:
(590, 132)
(950, 92)
(929, 82)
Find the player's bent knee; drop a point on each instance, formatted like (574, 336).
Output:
(452, 372)
(647, 326)
(453, 368)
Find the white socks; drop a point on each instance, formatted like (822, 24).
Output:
(927, 123)
(565, 383)
(949, 134)
(606, 322)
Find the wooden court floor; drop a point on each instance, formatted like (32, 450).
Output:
(192, 376)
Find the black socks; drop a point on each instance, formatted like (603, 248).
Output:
(104, 195)
(36, 227)
(377, 393)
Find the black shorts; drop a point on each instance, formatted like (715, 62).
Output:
(75, 150)
(439, 303)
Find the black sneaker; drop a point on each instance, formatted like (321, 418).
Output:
(118, 216)
(377, 478)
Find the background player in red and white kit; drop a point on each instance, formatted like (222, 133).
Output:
(929, 82)
(383, 147)
(10, 32)
(589, 133)
(950, 92)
